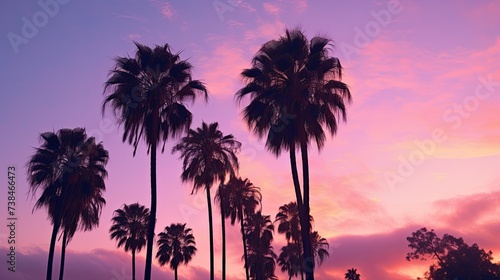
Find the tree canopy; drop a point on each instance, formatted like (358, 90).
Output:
(455, 259)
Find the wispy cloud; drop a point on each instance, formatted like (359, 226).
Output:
(165, 8)
(271, 8)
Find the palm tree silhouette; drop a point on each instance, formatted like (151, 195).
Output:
(319, 247)
(352, 274)
(176, 245)
(86, 221)
(69, 170)
(289, 222)
(261, 257)
(148, 93)
(239, 198)
(290, 260)
(295, 89)
(208, 156)
(129, 228)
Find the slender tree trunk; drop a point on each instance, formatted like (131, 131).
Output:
(175, 273)
(152, 216)
(55, 229)
(295, 176)
(63, 255)
(304, 220)
(211, 233)
(244, 244)
(133, 264)
(223, 225)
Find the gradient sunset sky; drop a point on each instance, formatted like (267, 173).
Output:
(421, 147)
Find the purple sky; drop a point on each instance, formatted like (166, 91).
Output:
(420, 148)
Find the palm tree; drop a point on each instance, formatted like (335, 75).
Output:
(239, 199)
(319, 247)
(296, 90)
(261, 257)
(69, 170)
(290, 260)
(176, 245)
(289, 222)
(148, 93)
(129, 228)
(208, 156)
(87, 220)
(352, 274)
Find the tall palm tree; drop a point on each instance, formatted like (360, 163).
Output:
(69, 170)
(176, 245)
(296, 90)
(261, 257)
(239, 198)
(352, 274)
(208, 157)
(148, 93)
(129, 228)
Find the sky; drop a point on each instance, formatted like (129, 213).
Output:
(420, 148)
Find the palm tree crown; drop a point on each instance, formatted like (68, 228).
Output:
(295, 90)
(208, 156)
(240, 198)
(148, 94)
(352, 274)
(130, 226)
(176, 245)
(289, 222)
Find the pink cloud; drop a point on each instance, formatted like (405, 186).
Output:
(105, 264)
(271, 8)
(470, 212)
(165, 8)
(219, 67)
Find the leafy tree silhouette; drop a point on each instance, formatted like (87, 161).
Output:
(455, 259)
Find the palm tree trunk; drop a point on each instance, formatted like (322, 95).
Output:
(295, 176)
(63, 255)
(152, 215)
(223, 225)
(55, 229)
(244, 245)
(211, 233)
(175, 273)
(304, 220)
(133, 264)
